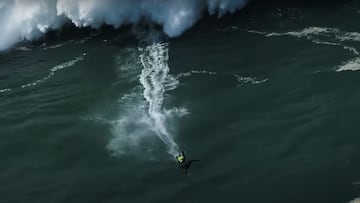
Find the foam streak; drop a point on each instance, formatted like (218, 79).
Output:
(154, 78)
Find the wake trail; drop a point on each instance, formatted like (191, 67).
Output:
(155, 80)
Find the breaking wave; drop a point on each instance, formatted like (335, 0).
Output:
(352, 65)
(30, 19)
(156, 80)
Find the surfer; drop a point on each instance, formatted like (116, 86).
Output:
(183, 163)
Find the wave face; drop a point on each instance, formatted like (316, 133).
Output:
(30, 19)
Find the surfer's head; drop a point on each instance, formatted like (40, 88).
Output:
(180, 158)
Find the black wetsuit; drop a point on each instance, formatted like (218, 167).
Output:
(185, 165)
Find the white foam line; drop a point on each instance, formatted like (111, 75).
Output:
(307, 32)
(348, 48)
(352, 65)
(53, 70)
(251, 80)
(326, 43)
(312, 32)
(23, 48)
(188, 74)
(352, 49)
(349, 36)
(58, 45)
(5, 90)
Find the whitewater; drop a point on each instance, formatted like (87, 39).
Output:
(155, 78)
(31, 19)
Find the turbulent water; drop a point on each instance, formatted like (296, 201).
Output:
(267, 98)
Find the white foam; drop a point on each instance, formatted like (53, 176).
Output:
(326, 43)
(51, 73)
(306, 33)
(53, 70)
(154, 78)
(179, 112)
(23, 48)
(128, 65)
(311, 33)
(352, 65)
(240, 79)
(5, 90)
(141, 112)
(349, 36)
(58, 45)
(132, 126)
(317, 35)
(190, 73)
(352, 49)
(356, 200)
(254, 81)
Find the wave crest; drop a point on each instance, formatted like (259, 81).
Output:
(29, 19)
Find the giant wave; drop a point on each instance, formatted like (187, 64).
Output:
(31, 19)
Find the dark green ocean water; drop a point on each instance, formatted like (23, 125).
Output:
(268, 100)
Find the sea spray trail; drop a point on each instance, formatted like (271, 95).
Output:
(156, 80)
